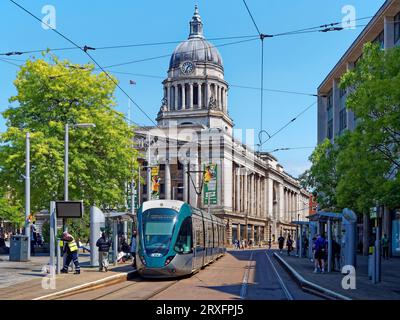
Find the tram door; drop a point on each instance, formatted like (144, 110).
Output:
(198, 235)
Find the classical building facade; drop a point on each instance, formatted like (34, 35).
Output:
(194, 137)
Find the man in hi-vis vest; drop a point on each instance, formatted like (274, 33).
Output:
(71, 249)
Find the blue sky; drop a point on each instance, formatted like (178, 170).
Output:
(293, 63)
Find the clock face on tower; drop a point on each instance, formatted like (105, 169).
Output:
(187, 67)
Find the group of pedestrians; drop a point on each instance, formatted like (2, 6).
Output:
(242, 244)
(70, 249)
(289, 244)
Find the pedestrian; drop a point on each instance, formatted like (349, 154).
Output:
(320, 253)
(269, 243)
(71, 250)
(305, 246)
(281, 241)
(385, 247)
(289, 244)
(104, 244)
(336, 248)
(33, 238)
(133, 248)
(243, 244)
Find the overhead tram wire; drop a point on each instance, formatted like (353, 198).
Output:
(89, 55)
(169, 54)
(145, 44)
(161, 77)
(287, 124)
(287, 149)
(294, 32)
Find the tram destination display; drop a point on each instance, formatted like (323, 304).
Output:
(69, 209)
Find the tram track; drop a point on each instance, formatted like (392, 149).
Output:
(286, 291)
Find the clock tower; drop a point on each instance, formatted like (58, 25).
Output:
(195, 92)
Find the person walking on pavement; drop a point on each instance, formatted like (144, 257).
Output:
(289, 244)
(281, 241)
(320, 253)
(133, 248)
(385, 247)
(104, 244)
(71, 249)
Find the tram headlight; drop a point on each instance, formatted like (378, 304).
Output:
(142, 259)
(168, 260)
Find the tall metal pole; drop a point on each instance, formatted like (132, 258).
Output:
(148, 169)
(66, 143)
(28, 192)
(66, 162)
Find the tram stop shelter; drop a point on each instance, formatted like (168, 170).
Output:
(304, 232)
(340, 227)
(115, 224)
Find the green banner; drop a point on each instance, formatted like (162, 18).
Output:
(210, 184)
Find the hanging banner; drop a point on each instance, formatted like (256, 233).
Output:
(155, 183)
(210, 184)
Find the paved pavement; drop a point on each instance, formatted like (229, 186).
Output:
(388, 289)
(240, 274)
(24, 280)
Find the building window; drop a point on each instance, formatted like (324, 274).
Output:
(329, 111)
(342, 119)
(329, 128)
(342, 92)
(380, 39)
(397, 30)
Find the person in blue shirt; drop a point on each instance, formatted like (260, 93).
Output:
(320, 253)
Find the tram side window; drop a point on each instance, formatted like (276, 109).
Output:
(184, 241)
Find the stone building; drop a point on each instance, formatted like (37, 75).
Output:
(249, 190)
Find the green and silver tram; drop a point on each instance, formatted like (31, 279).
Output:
(175, 239)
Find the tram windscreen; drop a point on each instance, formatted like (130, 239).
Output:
(158, 226)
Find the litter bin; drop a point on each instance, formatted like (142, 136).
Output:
(19, 248)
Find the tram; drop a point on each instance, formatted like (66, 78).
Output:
(175, 239)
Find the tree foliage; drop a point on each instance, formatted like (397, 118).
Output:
(51, 93)
(361, 169)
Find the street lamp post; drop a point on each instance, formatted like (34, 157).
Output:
(28, 193)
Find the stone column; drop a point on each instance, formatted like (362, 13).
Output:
(252, 194)
(265, 213)
(245, 192)
(281, 200)
(167, 181)
(185, 182)
(258, 201)
(199, 95)
(183, 88)
(270, 198)
(208, 94)
(168, 97)
(237, 194)
(190, 95)
(226, 101)
(176, 94)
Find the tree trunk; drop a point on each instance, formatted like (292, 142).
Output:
(366, 238)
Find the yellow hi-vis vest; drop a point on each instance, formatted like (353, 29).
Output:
(72, 246)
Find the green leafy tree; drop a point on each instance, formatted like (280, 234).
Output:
(374, 97)
(322, 178)
(51, 93)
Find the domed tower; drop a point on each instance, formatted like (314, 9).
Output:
(195, 91)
